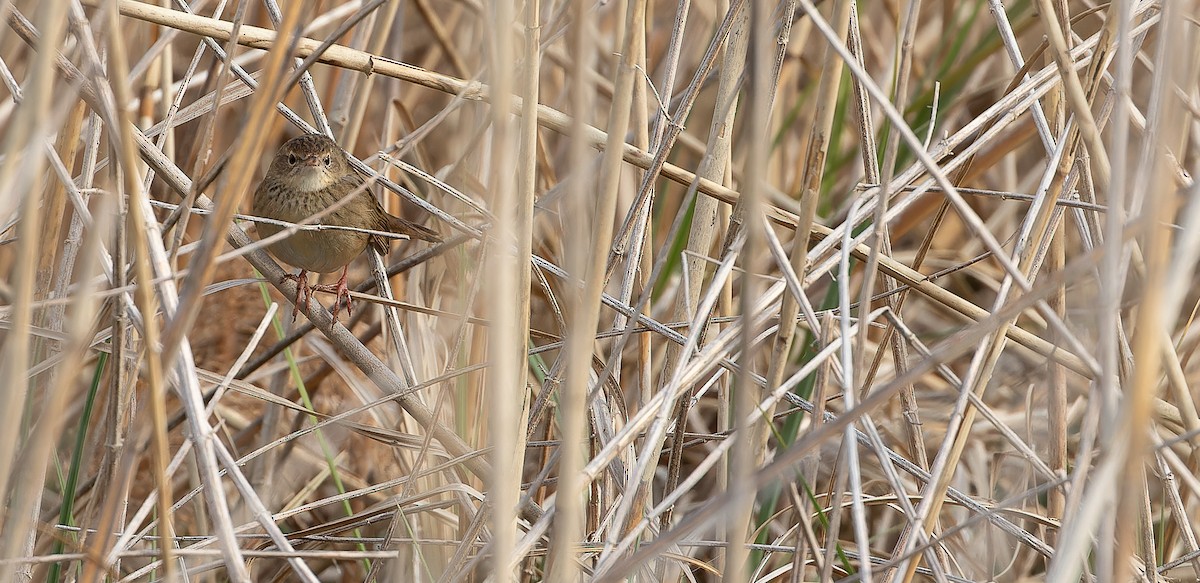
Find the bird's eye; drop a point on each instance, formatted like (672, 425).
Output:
(292, 159)
(328, 161)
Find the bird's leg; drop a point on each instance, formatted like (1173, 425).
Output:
(342, 291)
(303, 291)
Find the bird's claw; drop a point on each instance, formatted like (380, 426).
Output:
(303, 290)
(341, 291)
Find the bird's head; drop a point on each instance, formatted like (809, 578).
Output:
(311, 162)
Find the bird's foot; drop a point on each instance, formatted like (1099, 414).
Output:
(303, 290)
(342, 291)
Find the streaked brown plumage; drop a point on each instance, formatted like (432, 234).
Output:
(309, 174)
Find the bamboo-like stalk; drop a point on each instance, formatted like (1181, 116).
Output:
(21, 172)
(750, 437)
(700, 239)
(506, 380)
(572, 391)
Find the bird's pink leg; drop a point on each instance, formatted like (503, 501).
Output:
(342, 291)
(303, 291)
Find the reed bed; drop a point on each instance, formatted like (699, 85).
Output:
(740, 291)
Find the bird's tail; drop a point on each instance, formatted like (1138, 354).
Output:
(413, 230)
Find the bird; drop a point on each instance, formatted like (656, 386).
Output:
(309, 174)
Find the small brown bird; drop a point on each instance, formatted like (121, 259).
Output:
(310, 174)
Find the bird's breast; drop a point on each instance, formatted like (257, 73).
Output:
(322, 251)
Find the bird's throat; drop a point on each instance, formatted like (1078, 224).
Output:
(312, 179)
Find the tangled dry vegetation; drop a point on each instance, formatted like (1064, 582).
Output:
(738, 290)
